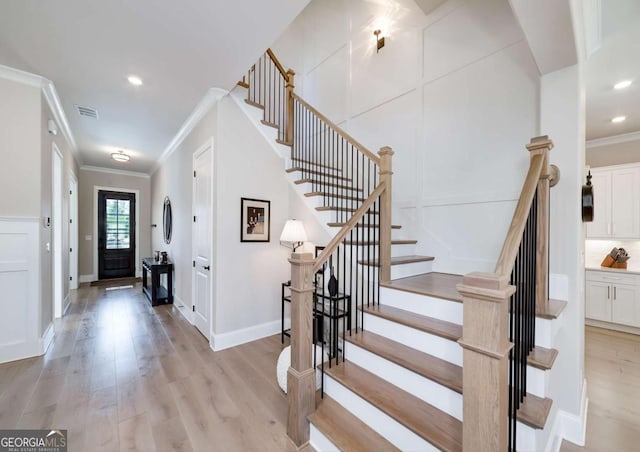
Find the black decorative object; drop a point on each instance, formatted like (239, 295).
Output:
(255, 220)
(587, 200)
(167, 220)
(332, 286)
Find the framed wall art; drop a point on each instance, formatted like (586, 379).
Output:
(255, 220)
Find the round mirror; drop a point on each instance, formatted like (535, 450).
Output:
(166, 220)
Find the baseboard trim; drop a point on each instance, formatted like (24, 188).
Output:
(87, 278)
(66, 304)
(242, 336)
(183, 309)
(47, 338)
(570, 426)
(612, 326)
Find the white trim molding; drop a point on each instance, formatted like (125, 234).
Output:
(47, 338)
(183, 309)
(569, 426)
(614, 139)
(242, 336)
(99, 169)
(51, 96)
(212, 96)
(87, 278)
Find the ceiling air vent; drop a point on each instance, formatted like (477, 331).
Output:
(87, 111)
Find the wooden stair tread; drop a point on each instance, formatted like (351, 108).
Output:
(312, 163)
(398, 260)
(294, 169)
(376, 242)
(243, 84)
(428, 422)
(254, 104)
(534, 411)
(284, 143)
(308, 180)
(361, 225)
(346, 431)
(553, 309)
(269, 124)
(428, 366)
(344, 209)
(542, 358)
(439, 285)
(334, 196)
(442, 328)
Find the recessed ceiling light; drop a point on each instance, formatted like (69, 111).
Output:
(622, 85)
(618, 119)
(120, 156)
(135, 80)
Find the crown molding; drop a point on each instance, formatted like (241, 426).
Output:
(99, 169)
(210, 98)
(51, 96)
(614, 139)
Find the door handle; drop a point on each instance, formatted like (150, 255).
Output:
(206, 267)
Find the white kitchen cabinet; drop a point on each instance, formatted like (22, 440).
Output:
(613, 297)
(616, 203)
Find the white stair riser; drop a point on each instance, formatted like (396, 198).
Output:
(320, 442)
(413, 269)
(403, 250)
(438, 308)
(431, 392)
(526, 438)
(411, 337)
(546, 331)
(389, 428)
(537, 381)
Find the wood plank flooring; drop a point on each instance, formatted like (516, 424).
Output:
(123, 376)
(612, 368)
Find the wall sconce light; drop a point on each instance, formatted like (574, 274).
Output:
(294, 234)
(379, 40)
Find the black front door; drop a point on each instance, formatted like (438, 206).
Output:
(116, 234)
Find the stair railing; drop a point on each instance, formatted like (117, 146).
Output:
(353, 183)
(499, 315)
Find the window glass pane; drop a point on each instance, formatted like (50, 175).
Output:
(117, 227)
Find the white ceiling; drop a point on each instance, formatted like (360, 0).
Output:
(179, 49)
(618, 59)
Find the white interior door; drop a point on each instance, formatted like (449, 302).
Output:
(73, 233)
(202, 165)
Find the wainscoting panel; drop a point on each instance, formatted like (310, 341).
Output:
(19, 287)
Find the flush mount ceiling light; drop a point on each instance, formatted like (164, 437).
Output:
(135, 80)
(120, 156)
(622, 84)
(618, 119)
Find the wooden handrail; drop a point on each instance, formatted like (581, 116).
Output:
(339, 131)
(514, 235)
(277, 63)
(340, 236)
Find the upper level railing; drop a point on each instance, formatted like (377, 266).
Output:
(499, 315)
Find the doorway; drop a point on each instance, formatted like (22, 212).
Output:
(73, 232)
(56, 213)
(116, 234)
(202, 196)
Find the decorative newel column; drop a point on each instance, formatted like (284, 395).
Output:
(290, 86)
(386, 174)
(300, 376)
(542, 145)
(485, 359)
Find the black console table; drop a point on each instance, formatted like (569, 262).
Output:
(155, 292)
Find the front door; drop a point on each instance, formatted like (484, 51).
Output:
(116, 234)
(202, 239)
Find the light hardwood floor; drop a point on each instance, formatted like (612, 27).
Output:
(612, 367)
(123, 376)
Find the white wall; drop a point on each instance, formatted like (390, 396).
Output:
(614, 154)
(455, 94)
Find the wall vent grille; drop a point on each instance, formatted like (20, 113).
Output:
(87, 111)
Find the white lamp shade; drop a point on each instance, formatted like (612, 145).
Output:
(293, 232)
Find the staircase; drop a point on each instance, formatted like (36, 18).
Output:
(398, 382)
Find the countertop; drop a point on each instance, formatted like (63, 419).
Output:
(631, 270)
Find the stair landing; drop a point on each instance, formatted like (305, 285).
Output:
(439, 285)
